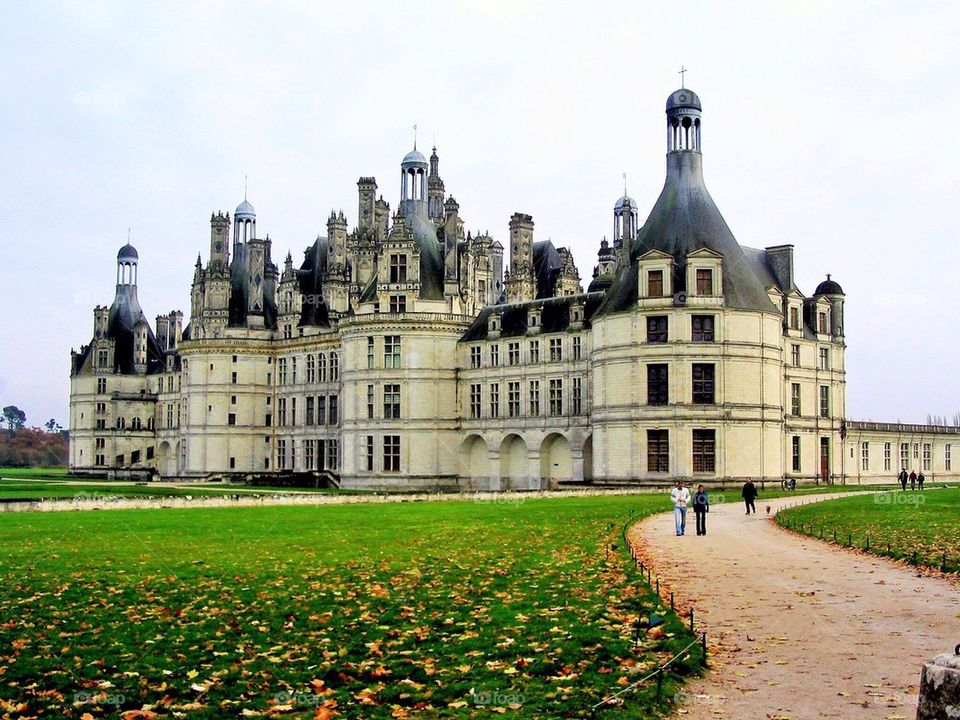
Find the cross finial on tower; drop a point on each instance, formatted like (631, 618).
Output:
(624, 184)
(128, 236)
(681, 73)
(244, 188)
(414, 136)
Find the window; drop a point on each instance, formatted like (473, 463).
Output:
(334, 367)
(795, 355)
(135, 457)
(824, 358)
(513, 353)
(101, 424)
(904, 455)
(293, 411)
(795, 399)
(333, 454)
(655, 283)
(370, 401)
(282, 371)
(556, 396)
(946, 458)
(822, 323)
(321, 409)
(391, 351)
(391, 402)
(310, 454)
(534, 351)
(795, 318)
(887, 460)
(232, 419)
(577, 348)
(658, 384)
(102, 361)
(101, 408)
(293, 370)
(281, 411)
(494, 355)
(281, 454)
(398, 268)
(391, 453)
(576, 396)
(657, 329)
(475, 401)
(101, 386)
(702, 330)
(926, 456)
(658, 451)
(311, 369)
(268, 420)
(398, 303)
(556, 349)
(476, 355)
(369, 352)
(170, 382)
(308, 419)
(703, 384)
(704, 281)
(513, 399)
(233, 380)
(233, 399)
(368, 453)
(534, 397)
(824, 401)
(335, 410)
(796, 453)
(865, 456)
(170, 415)
(704, 451)
(494, 400)
(916, 451)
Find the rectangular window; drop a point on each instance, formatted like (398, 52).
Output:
(658, 384)
(311, 369)
(824, 401)
(556, 396)
(658, 451)
(865, 456)
(513, 399)
(281, 454)
(309, 454)
(577, 348)
(368, 454)
(822, 323)
(795, 399)
(391, 351)
(704, 281)
(534, 397)
(321, 409)
(904, 455)
(887, 459)
(494, 355)
(334, 409)
(796, 453)
(282, 412)
(308, 419)
(233, 463)
(370, 352)
(101, 386)
(704, 451)
(233, 380)
(576, 396)
(321, 368)
(655, 283)
(556, 349)
(398, 268)
(476, 356)
(534, 351)
(494, 400)
(268, 419)
(282, 371)
(293, 370)
(232, 419)
(398, 303)
(795, 318)
(657, 329)
(926, 456)
(333, 454)
(513, 353)
(824, 358)
(946, 458)
(703, 384)
(916, 451)
(371, 401)
(293, 411)
(391, 402)
(702, 330)
(475, 401)
(795, 355)
(391, 453)
(135, 457)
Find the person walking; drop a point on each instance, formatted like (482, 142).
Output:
(749, 494)
(920, 479)
(913, 479)
(701, 506)
(681, 497)
(902, 477)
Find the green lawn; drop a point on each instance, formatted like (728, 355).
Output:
(920, 527)
(39, 488)
(448, 609)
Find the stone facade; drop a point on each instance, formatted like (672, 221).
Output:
(401, 354)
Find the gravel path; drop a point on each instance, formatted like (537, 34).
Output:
(798, 629)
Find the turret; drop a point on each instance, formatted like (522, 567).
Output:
(100, 316)
(831, 290)
(451, 230)
(337, 239)
(219, 237)
(140, 347)
(520, 278)
(366, 217)
(435, 189)
(413, 184)
(163, 331)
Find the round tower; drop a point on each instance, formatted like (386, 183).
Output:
(624, 220)
(127, 260)
(683, 121)
(413, 183)
(244, 223)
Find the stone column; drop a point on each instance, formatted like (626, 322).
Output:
(940, 688)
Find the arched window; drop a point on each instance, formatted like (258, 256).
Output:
(135, 424)
(311, 369)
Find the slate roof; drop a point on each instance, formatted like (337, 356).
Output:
(554, 316)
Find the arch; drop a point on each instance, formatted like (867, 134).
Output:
(475, 462)
(588, 459)
(166, 461)
(556, 460)
(514, 463)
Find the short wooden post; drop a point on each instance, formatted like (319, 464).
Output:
(703, 645)
(691, 619)
(672, 607)
(659, 682)
(658, 586)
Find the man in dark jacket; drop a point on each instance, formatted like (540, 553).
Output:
(749, 494)
(902, 477)
(920, 479)
(701, 506)
(913, 479)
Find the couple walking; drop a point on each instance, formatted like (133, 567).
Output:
(701, 506)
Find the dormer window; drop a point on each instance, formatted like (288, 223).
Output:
(795, 318)
(704, 281)
(398, 268)
(822, 323)
(655, 283)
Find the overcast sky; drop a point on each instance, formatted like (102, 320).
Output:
(828, 125)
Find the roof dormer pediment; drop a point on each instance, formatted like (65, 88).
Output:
(704, 252)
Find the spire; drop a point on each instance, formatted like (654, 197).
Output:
(683, 70)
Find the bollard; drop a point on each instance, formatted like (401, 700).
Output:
(658, 586)
(940, 688)
(867, 548)
(659, 682)
(691, 619)
(914, 557)
(672, 607)
(703, 644)
(849, 539)
(834, 535)
(943, 563)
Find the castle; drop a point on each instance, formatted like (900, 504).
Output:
(401, 353)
